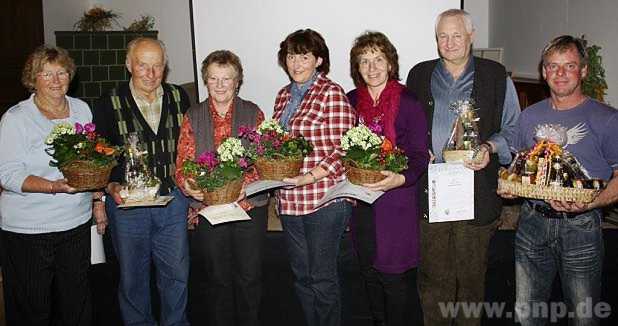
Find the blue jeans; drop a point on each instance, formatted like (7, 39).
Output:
(313, 247)
(158, 235)
(571, 247)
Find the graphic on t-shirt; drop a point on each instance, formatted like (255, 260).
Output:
(560, 135)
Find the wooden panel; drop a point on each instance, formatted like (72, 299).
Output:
(21, 31)
(530, 91)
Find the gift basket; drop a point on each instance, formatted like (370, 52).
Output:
(463, 143)
(219, 174)
(367, 154)
(277, 153)
(84, 158)
(140, 185)
(548, 171)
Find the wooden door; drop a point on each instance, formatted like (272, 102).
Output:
(21, 31)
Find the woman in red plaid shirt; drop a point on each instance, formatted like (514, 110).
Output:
(316, 108)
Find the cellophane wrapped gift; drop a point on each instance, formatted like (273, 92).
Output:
(140, 183)
(464, 141)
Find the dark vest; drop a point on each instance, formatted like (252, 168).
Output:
(488, 93)
(245, 114)
(161, 147)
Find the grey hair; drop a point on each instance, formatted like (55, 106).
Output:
(134, 42)
(456, 13)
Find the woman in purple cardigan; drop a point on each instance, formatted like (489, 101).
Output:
(386, 233)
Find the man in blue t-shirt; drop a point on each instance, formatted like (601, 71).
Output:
(565, 237)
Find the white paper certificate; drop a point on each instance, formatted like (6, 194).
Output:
(218, 214)
(451, 192)
(97, 253)
(350, 190)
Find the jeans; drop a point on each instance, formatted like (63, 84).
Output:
(452, 269)
(229, 259)
(313, 242)
(570, 247)
(158, 235)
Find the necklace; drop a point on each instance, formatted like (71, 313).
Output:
(50, 112)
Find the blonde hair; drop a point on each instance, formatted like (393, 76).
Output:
(42, 55)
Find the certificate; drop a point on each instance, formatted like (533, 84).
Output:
(225, 213)
(451, 192)
(350, 190)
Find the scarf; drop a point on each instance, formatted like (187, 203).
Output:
(381, 117)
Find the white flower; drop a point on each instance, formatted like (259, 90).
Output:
(60, 129)
(360, 136)
(270, 124)
(229, 149)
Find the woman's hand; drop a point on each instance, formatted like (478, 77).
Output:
(300, 180)
(242, 194)
(392, 180)
(61, 186)
(190, 189)
(100, 216)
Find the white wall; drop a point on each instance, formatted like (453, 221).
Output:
(255, 31)
(479, 10)
(523, 28)
(172, 20)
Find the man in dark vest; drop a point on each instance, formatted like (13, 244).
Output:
(151, 235)
(454, 254)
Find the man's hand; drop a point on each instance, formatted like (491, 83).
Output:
(568, 207)
(505, 194)
(480, 159)
(113, 189)
(392, 180)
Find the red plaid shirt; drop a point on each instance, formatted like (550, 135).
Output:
(323, 117)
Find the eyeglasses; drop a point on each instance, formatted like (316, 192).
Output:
(568, 67)
(49, 75)
(225, 81)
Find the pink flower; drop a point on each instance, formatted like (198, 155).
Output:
(79, 128)
(375, 127)
(276, 143)
(243, 130)
(209, 159)
(260, 149)
(89, 127)
(242, 162)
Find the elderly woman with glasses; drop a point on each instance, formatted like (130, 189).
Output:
(315, 107)
(45, 224)
(229, 256)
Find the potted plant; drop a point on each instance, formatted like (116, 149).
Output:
(594, 85)
(367, 154)
(85, 159)
(219, 174)
(277, 154)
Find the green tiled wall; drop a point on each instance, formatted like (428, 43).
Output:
(99, 57)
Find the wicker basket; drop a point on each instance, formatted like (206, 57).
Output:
(82, 175)
(451, 156)
(278, 169)
(225, 194)
(547, 193)
(360, 176)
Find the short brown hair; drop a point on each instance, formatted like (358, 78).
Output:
(563, 43)
(222, 58)
(42, 55)
(373, 41)
(305, 41)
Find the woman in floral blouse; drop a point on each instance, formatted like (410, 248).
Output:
(229, 255)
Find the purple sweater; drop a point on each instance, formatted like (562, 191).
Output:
(396, 213)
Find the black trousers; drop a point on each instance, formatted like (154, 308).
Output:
(227, 259)
(393, 298)
(46, 277)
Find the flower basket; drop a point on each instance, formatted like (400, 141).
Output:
(547, 193)
(226, 194)
(83, 175)
(278, 169)
(360, 176)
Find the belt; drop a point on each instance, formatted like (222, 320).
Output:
(549, 212)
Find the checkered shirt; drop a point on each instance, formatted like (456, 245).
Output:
(323, 116)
